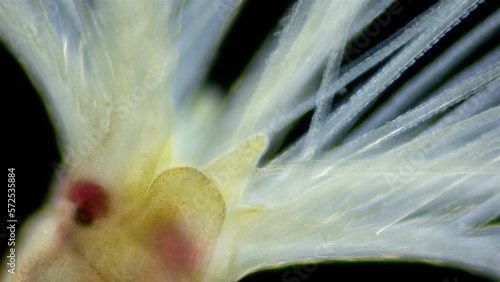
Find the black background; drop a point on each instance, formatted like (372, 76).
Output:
(29, 140)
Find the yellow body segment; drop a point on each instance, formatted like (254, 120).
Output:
(164, 229)
(182, 208)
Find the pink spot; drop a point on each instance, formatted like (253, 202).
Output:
(91, 201)
(176, 250)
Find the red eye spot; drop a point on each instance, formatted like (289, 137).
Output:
(91, 201)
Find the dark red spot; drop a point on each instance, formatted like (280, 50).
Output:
(91, 201)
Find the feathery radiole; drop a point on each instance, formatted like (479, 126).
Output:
(162, 178)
